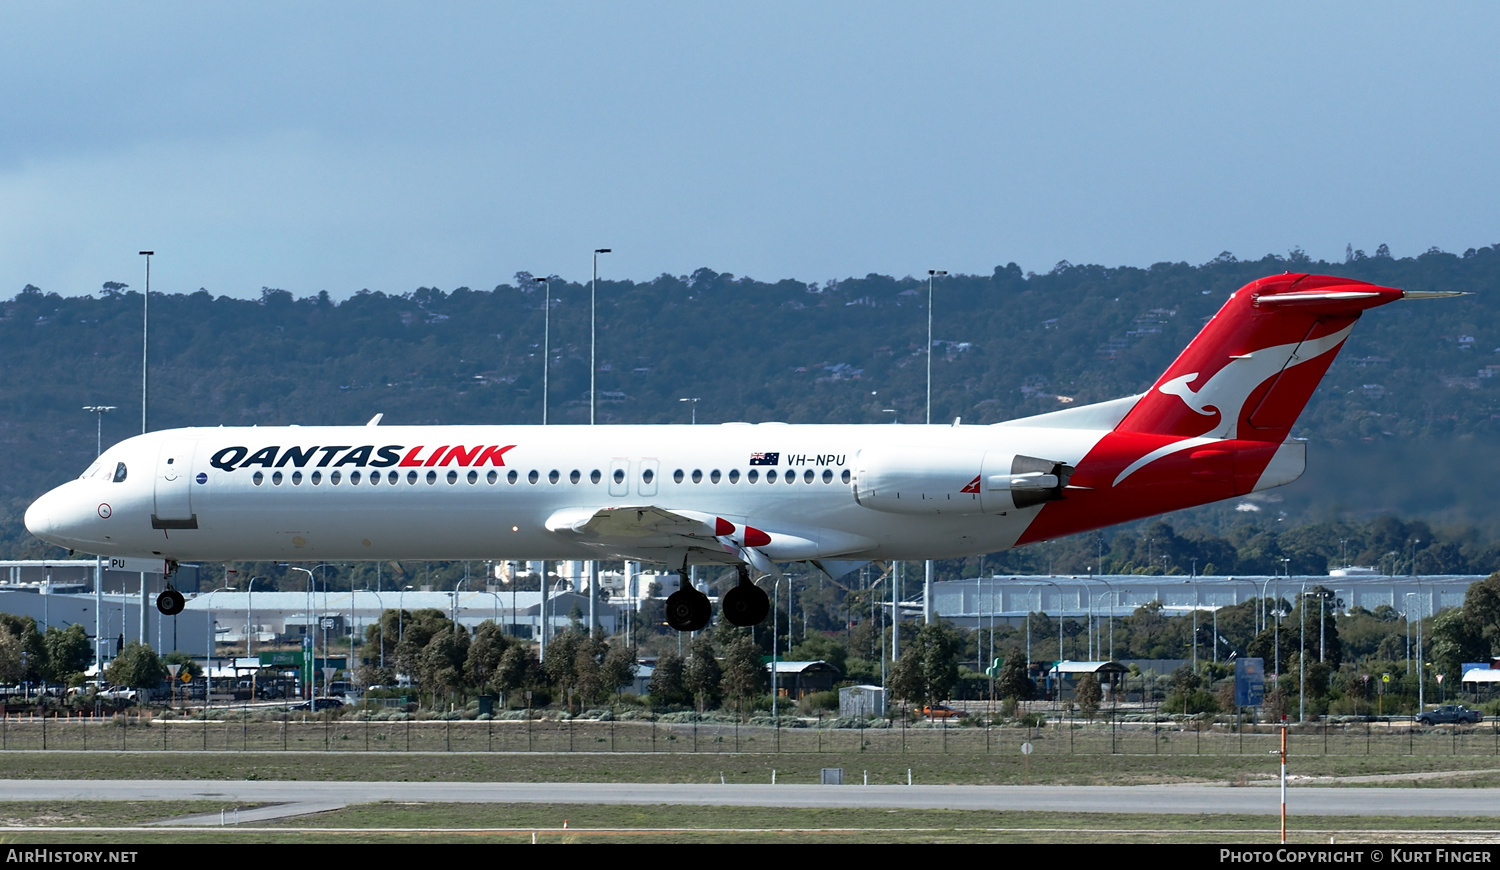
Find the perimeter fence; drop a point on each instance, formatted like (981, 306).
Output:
(327, 733)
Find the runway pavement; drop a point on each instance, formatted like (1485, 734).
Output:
(300, 798)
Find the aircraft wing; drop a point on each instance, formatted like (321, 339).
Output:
(652, 533)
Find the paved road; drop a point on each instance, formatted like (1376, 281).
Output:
(299, 798)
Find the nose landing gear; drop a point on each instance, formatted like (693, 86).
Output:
(170, 602)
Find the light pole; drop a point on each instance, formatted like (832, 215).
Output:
(250, 617)
(931, 274)
(775, 630)
(927, 568)
(546, 340)
(145, 345)
(145, 335)
(312, 607)
(694, 407)
(99, 411)
(213, 644)
(593, 334)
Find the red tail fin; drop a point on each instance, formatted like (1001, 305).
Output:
(1251, 370)
(1215, 424)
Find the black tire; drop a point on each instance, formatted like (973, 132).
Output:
(746, 604)
(688, 609)
(170, 602)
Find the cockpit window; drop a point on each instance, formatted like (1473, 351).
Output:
(119, 472)
(90, 471)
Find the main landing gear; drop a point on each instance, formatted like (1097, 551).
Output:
(744, 605)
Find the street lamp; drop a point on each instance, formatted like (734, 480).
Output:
(931, 274)
(145, 334)
(145, 345)
(546, 340)
(99, 411)
(694, 407)
(593, 334)
(250, 616)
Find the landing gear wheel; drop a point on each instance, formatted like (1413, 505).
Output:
(746, 604)
(170, 602)
(688, 609)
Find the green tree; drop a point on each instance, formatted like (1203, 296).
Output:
(68, 653)
(701, 674)
(518, 669)
(667, 684)
(928, 668)
(744, 676)
(482, 661)
(30, 649)
(137, 666)
(1089, 695)
(1013, 682)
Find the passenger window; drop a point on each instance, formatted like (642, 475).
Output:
(431, 478)
(697, 475)
(411, 478)
(753, 476)
(734, 475)
(374, 478)
(316, 478)
(594, 476)
(677, 476)
(574, 476)
(845, 476)
(713, 476)
(353, 477)
(492, 476)
(619, 475)
(553, 476)
(120, 472)
(770, 476)
(533, 477)
(334, 478)
(512, 477)
(473, 477)
(647, 476)
(258, 478)
(453, 477)
(392, 477)
(807, 476)
(828, 475)
(296, 478)
(276, 479)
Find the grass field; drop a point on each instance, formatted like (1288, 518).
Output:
(581, 752)
(85, 823)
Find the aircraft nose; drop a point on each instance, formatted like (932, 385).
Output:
(60, 517)
(39, 516)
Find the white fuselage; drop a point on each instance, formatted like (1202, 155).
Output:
(405, 492)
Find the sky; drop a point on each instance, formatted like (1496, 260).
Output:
(383, 146)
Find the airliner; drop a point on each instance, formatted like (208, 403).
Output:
(1215, 425)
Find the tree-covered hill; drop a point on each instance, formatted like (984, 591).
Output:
(1402, 423)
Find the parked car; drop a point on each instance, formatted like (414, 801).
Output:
(1449, 714)
(317, 704)
(938, 711)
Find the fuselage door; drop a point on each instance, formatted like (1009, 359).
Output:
(174, 481)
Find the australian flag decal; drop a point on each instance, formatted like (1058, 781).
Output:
(764, 458)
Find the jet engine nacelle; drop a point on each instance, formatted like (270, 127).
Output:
(935, 480)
